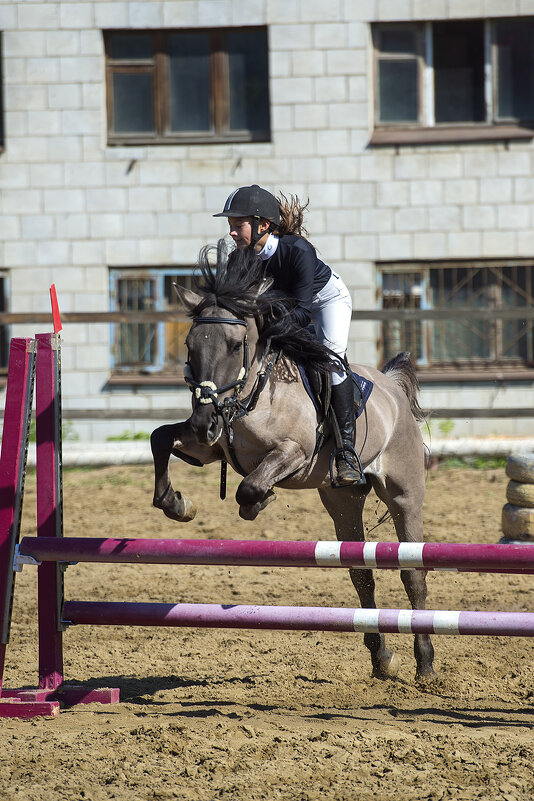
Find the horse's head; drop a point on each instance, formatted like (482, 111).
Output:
(218, 346)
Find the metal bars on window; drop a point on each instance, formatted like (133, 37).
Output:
(147, 347)
(465, 339)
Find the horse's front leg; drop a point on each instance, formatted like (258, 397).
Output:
(255, 491)
(163, 441)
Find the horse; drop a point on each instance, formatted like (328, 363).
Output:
(251, 409)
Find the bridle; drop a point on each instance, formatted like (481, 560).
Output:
(232, 407)
(207, 391)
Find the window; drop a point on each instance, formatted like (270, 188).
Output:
(187, 86)
(4, 330)
(439, 81)
(144, 348)
(1, 103)
(458, 337)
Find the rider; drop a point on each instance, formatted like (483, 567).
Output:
(273, 229)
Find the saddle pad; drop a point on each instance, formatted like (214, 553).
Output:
(362, 389)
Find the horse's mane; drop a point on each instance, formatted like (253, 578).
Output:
(236, 282)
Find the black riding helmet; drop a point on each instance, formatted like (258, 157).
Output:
(252, 201)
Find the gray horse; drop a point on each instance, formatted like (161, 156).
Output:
(250, 408)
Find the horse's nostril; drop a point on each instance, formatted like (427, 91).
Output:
(214, 431)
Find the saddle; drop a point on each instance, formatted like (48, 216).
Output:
(319, 388)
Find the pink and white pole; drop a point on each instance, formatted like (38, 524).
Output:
(461, 557)
(300, 618)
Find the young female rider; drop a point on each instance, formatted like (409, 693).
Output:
(273, 228)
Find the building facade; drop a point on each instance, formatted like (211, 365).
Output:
(408, 124)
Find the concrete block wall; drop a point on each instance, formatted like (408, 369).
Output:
(71, 207)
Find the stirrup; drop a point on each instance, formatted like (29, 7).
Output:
(358, 482)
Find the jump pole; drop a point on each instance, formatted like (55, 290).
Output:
(299, 618)
(455, 557)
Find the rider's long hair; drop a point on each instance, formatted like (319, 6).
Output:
(236, 282)
(291, 215)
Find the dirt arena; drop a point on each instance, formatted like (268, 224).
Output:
(222, 714)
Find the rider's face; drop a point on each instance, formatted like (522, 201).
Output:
(241, 230)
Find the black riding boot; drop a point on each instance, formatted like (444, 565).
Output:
(347, 463)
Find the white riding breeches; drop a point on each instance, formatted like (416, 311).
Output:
(331, 316)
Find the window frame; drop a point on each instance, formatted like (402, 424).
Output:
(472, 368)
(157, 371)
(219, 99)
(426, 130)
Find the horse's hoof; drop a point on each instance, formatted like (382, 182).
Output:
(427, 677)
(177, 507)
(388, 668)
(251, 512)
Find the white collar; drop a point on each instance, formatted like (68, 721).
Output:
(269, 248)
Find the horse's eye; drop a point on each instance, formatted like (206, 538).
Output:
(236, 348)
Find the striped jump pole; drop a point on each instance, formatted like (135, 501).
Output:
(299, 618)
(461, 557)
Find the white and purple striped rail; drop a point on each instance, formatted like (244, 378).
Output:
(298, 618)
(461, 557)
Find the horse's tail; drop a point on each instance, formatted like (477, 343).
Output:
(401, 369)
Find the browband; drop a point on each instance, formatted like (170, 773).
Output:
(224, 320)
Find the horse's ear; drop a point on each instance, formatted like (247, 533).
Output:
(265, 285)
(187, 297)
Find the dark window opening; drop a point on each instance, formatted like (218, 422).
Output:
(4, 329)
(1, 101)
(459, 71)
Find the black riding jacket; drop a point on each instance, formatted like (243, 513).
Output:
(299, 273)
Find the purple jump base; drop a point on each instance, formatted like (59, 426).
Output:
(303, 618)
(459, 557)
(29, 703)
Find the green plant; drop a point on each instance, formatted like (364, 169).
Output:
(128, 436)
(475, 462)
(445, 427)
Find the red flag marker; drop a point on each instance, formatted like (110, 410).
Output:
(55, 310)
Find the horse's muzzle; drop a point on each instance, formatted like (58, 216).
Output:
(206, 425)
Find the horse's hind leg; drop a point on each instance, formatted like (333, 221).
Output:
(345, 507)
(405, 505)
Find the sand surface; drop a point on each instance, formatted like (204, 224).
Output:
(222, 714)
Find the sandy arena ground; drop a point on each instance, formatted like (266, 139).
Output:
(222, 714)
